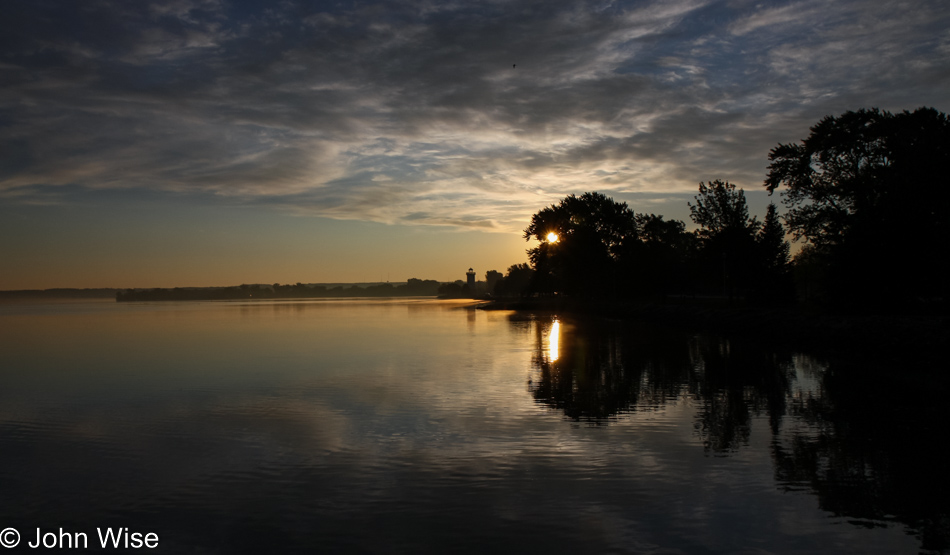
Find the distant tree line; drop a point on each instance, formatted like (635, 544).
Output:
(58, 293)
(413, 287)
(860, 192)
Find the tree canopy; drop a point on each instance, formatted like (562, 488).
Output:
(863, 188)
(729, 255)
(603, 249)
(720, 208)
(592, 215)
(773, 248)
(592, 232)
(861, 166)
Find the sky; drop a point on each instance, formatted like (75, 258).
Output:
(219, 142)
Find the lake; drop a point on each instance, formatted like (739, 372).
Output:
(422, 426)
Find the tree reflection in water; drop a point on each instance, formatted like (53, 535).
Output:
(597, 374)
(862, 433)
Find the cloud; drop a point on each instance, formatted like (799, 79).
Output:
(453, 114)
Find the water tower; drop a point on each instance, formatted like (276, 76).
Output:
(470, 278)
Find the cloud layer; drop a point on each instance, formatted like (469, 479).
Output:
(469, 114)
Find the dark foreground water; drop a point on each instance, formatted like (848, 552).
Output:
(418, 427)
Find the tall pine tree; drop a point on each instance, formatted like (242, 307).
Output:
(773, 248)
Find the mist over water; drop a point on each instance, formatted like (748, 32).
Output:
(416, 425)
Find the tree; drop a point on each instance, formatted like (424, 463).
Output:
(773, 248)
(862, 188)
(516, 282)
(663, 261)
(608, 221)
(492, 277)
(834, 175)
(727, 237)
(581, 241)
(774, 280)
(720, 208)
(415, 286)
(452, 290)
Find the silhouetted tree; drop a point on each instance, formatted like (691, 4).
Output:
(773, 258)
(809, 273)
(727, 236)
(516, 282)
(720, 208)
(662, 262)
(862, 189)
(774, 248)
(492, 277)
(592, 231)
(832, 177)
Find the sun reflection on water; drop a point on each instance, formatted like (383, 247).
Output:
(553, 338)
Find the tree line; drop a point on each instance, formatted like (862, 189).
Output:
(413, 287)
(860, 193)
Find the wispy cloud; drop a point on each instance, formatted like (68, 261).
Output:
(456, 114)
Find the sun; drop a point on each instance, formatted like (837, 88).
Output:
(552, 237)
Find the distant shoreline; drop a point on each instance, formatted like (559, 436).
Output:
(339, 290)
(59, 293)
(395, 289)
(411, 288)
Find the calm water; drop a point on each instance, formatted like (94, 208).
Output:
(420, 427)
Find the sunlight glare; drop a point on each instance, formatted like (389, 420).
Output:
(553, 341)
(552, 237)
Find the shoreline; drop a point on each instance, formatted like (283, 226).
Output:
(786, 324)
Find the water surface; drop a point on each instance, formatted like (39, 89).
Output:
(376, 426)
